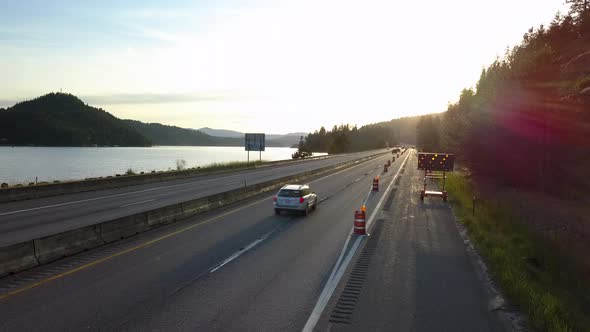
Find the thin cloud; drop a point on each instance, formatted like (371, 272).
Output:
(143, 98)
(135, 31)
(152, 98)
(157, 14)
(5, 103)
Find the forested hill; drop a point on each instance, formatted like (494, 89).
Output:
(58, 119)
(528, 118)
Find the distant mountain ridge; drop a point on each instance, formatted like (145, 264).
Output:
(59, 119)
(221, 132)
(289, 139)
(171, 135)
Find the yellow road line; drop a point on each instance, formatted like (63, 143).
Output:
(126, 251)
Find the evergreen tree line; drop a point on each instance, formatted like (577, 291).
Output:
(347, 138)
(527, 122)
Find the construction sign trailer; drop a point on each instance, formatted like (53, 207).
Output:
(435, 166)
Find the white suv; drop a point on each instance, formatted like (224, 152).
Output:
(295, 197)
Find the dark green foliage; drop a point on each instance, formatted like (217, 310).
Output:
(404, 129)
(59, 119)
(428, 133)
(578, 7)
(344, 138)
(527, 120)
(544, 294)
(526, 127)
(302, 151)
(299, 154)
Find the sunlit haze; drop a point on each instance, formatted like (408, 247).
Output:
(270, 66)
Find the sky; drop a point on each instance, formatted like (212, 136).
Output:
(273, 66)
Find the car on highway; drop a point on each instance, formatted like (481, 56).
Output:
(295, 197)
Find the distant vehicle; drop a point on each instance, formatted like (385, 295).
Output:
(295, 197)
(301, 154)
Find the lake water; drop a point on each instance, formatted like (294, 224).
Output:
(23, 164)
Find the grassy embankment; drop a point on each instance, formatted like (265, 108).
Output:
(533, 276)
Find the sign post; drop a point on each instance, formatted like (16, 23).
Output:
(255, 142)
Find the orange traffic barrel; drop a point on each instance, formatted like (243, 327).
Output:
(360, 223)
(376, 184)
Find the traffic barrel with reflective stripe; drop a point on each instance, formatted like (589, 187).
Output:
(376, 184)
(360, 223)
(385, 168)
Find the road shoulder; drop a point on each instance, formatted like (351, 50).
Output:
(413, 273)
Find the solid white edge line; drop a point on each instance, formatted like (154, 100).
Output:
(343, 251)
(328, 290)
(251, 245)
(335, 277)
(238, 253)
(224, 214)
(386, 192)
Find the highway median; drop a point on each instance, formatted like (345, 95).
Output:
(34, 252)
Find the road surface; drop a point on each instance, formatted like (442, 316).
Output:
(413, 273)
(237, 268)
(25, 220)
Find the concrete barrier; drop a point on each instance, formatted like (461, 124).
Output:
(190, 208)
(166, 215)
(125, 227)
(23, 256)
(17, 257)
(54, 247)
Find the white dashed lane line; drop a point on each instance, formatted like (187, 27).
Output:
(137, 203)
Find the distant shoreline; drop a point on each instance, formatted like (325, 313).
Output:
(25, 164)
(128, 146)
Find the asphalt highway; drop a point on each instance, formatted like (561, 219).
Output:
(25, 220)
(413, 273)
(244, 268)
(237, 268)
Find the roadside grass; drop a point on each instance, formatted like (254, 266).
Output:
(230, 165)
(535, 277)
